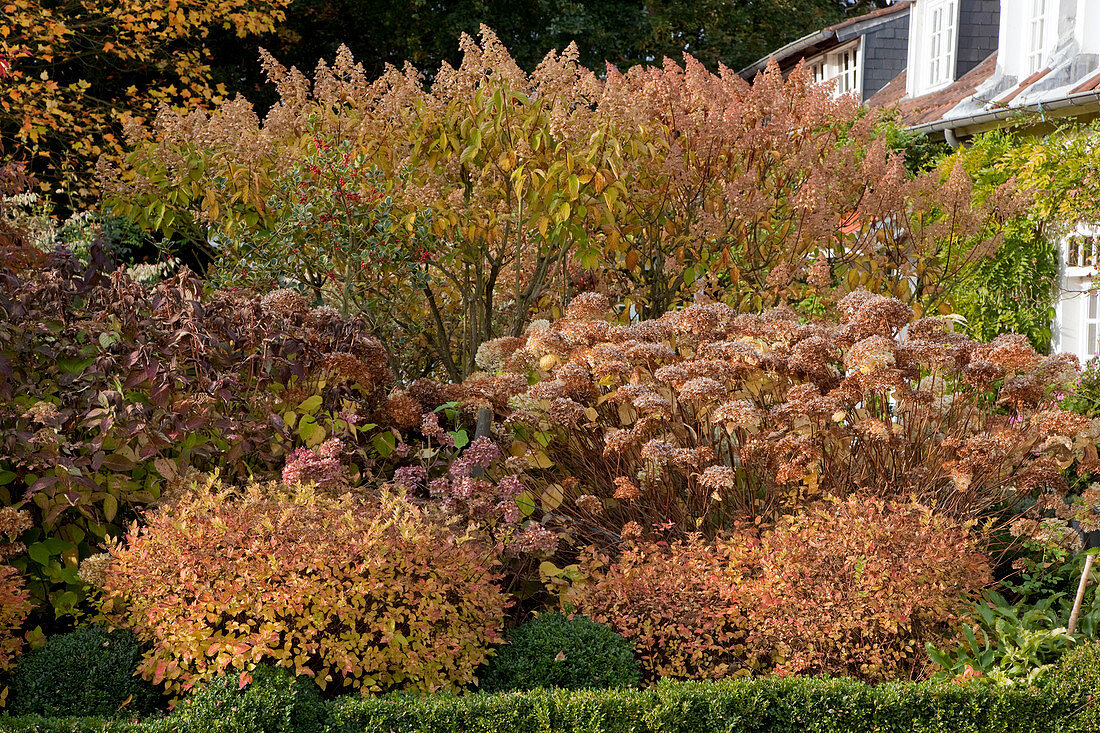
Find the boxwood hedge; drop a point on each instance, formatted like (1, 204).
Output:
(740, 706)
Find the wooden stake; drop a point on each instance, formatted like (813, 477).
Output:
(1080, 593)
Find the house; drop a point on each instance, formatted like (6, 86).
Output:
(862, 54)
(969, 66)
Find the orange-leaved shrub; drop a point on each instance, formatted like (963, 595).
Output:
(856, 587)
(849, 588)
(14, 600)
(372, 596)
(680, 604)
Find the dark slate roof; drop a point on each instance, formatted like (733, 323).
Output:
(812, 43)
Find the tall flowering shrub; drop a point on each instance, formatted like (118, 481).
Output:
(706, 417)
(364, 596)
(493, 194)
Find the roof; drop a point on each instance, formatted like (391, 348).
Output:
(809, 44)
(1067, 86)
(931, 107)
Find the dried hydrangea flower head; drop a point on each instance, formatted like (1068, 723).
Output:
(709, 416)
(588, 306)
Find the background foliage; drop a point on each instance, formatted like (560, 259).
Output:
(78, 71)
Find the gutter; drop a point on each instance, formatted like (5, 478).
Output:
(950, 127)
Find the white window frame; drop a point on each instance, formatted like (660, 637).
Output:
(1090, 325)
(1077, 312)
(1038, 33)
(842, 66)
(942, 43)
(933, 46)
(817, 69)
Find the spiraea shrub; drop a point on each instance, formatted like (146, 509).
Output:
(15, 601)
(554, 650)
(848, 588)
(706, 417)
(111, 390)
(370, 596)
(855, 588)
(679, 604)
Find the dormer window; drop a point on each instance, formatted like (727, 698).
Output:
(847, 67)
(941, 43)
(933, 41)
(1037, 35)
(840, 66)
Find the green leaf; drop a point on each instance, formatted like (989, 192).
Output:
(39, 554)
(118, 462)
(310, 405)
(6, 477)
(461, 438)
(74, 366)
(309, 431)
(110, 507)
(526, 503)
(65, 602)
(56, 545)
(385, 444)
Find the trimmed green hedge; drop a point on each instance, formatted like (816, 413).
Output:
(553, 650)
(739, 706)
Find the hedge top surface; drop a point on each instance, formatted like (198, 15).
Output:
(767, 705)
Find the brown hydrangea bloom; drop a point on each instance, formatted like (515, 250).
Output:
(493, 355)
(702, 389)
(284, 302)
(588, 306)
(631, 531)
(625, 489)
(403, 410)
(589, 503)
(740, 413)
(871, 354)
(813, 357)
(1012, 352)
(719, 478)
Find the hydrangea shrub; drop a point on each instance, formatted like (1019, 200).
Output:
(707, 417)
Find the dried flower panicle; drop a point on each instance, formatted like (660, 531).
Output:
(320, 466)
